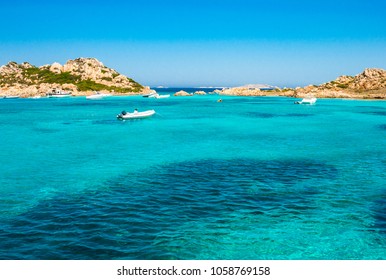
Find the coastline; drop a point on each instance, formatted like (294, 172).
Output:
(320, 93)
(86, 76)
(289, 94)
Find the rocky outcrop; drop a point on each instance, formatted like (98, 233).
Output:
(241, 91)
(56, 68)
(370, 79)
(216, 91)
(92, 69)
(200, 92)
(182, 93)
(371, 83)
(82, 76)
(249, 90)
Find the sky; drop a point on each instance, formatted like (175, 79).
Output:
(201, 43)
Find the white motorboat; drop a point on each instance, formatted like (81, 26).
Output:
(58, 93)
(158, 96)
(98, 95)
(307, 100)
(135, 115)
(151, 94)
(11, 96)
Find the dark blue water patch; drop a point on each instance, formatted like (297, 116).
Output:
(371, 107)
(107, 122)
(382, 126)
(74, 122)
(70, 121)
(298, 115)
(9, 110)
(379, 213)
(261, 115)
(46, 130)
(376, 113)
(272, 183)
(123, 219)
(270, 115)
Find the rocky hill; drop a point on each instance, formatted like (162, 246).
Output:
(81, 76)
(368, 80)
(370, 84)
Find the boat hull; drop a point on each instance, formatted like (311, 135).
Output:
(160, 96)
(148, 95)
(307, 101)
(97, 96)
(59, 95)
(137, 115)
(11, 97)
(156, 95)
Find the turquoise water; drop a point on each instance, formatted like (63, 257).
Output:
(248, 178)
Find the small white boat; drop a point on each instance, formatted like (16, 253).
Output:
(307, 100)
(98, 95)
(158, 96)
(58, 93)
(11, 96)
(135, 115)
(152, 94)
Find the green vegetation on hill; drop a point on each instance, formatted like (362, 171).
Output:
(7, 80)
(87, 85)
(35, 75)
(46, 76)
(342, 85)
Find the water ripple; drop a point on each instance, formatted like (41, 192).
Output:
(136, 215)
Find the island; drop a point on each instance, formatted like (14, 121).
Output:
(81, 76)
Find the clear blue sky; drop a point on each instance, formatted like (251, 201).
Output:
(201, 43)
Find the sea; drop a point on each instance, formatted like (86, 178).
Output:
(248, 178)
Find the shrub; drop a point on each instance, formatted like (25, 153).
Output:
(86, 85)
(342, 86)
(46, 76)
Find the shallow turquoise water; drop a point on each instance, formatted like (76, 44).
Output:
(248, 178)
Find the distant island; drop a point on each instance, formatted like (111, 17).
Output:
(370, 84)
(83, 76)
